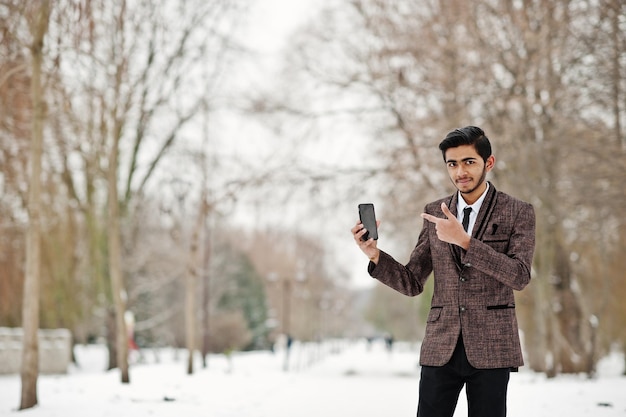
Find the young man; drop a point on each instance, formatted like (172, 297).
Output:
(479, 243)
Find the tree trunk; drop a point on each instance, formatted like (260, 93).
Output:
(206, 300)
(192, 283)
(30, 307)
(115, 264)
(616, 73)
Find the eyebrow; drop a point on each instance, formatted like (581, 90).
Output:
(462, 160)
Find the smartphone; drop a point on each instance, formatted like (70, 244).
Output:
(368, 218)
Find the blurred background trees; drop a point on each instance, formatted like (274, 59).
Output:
(232, 199)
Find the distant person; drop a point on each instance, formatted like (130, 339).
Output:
(389, 342)
(479, 243)
(288, 344)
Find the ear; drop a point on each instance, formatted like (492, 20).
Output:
(490, 163)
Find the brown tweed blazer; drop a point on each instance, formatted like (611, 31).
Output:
(473, 292)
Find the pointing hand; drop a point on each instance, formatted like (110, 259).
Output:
(449, 230)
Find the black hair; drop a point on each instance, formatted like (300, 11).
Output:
(468, 135)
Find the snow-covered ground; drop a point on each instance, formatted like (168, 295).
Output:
(337, 379)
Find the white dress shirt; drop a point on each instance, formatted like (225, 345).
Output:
(461, 204)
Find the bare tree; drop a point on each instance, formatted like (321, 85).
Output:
(545, 79)
(38, 17)
(192, 278)
(115, 264)
(15, 136)
(128, 100)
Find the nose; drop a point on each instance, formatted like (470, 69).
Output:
(460, 170)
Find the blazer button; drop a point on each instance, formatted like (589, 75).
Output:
(462, 309)
(468, 265)
(463, 279)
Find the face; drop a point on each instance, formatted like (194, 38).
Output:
(468, 171)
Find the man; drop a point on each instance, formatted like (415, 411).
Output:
(478, 259)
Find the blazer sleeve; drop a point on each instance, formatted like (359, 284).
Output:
(511, 268)
(407, 279)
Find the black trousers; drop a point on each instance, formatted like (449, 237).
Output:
(440, 387)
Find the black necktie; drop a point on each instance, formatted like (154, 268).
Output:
(466, 213)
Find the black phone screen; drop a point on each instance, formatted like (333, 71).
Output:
(368, 218)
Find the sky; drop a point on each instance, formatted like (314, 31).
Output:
(336, 379)
(273, 21)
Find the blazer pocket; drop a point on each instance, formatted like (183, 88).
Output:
(501, 307)
(498, 242)
(496, 238)
(434, 314)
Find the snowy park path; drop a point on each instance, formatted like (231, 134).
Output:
(334, 380)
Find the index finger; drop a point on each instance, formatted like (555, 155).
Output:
(430, 217)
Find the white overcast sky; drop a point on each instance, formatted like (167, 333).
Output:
(272, 21)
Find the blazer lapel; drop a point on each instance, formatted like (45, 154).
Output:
(486, 209)
(454, 249)
(484, 214)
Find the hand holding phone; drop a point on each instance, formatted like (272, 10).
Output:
(368, 218)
